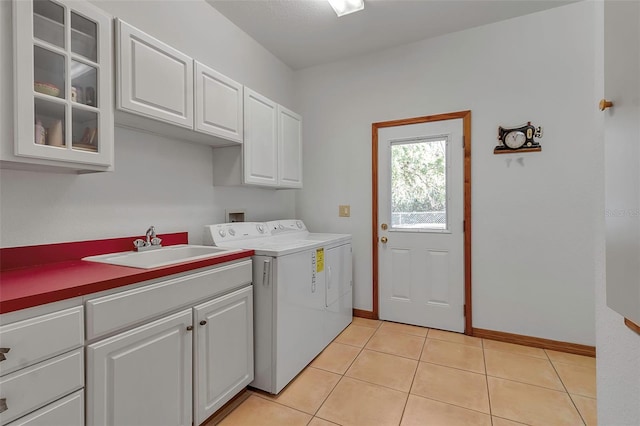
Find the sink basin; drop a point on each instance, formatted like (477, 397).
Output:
(160, 257)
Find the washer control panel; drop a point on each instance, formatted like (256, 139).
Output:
(285, 226)
(237, 231)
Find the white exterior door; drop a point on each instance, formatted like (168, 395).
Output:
(421, 230)
(142, 376)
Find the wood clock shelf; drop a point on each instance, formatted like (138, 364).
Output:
(516, 151)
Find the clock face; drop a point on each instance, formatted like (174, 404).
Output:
(515, 139)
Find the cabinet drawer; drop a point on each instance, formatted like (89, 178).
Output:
(68, 411)
(36, 339)
(116, 311)
(28, 389)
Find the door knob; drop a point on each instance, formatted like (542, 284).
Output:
(604, 104)
(384, 240)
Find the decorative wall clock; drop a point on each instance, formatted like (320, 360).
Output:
(518, 139)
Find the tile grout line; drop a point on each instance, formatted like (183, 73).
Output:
(486, 381)
(584, 422)
(413, 379)
(343, 375)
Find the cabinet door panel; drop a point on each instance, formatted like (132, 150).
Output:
(260, 148)
(223, 350)
(143, 376)
(219, 100)
(154, 79)
(289, 148)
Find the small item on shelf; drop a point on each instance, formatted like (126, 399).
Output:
(90, 96)
(46, 88)
(89, 136)
(40, 133)
(55, 134)
(76, 94)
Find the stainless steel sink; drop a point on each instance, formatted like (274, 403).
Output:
(161, 257)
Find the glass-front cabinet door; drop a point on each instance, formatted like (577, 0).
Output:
(63, 66)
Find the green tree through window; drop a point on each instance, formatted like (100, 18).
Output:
(418, 183)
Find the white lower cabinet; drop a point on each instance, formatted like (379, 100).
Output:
(223, 351)
(178, 369)
(142, 376)
(42, 366)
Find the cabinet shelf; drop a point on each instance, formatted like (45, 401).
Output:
(48, 25)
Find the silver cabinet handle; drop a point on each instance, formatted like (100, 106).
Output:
(2, 352)
(3, 405)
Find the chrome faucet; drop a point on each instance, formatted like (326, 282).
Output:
(152, 242)
(151, 233)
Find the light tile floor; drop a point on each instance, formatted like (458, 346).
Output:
(384, 373)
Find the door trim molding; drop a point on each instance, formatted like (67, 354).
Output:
(466, 130)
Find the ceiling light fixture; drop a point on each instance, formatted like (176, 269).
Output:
(345, 7)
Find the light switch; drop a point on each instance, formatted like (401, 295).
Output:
(344, 211)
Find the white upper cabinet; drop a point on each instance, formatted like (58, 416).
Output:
(164, 91)
(289, 148)
(271, 155)
(261, 140)
(218, 104)
(62, 85)
(154, 79)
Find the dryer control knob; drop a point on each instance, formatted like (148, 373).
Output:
(222, 233)
(299, 224)
(232, 232)
(281, 226)
(260, 228)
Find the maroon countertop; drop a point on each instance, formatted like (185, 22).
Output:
(36, 275)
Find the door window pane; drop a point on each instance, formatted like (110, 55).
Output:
(48, 72)
(83, 37)
(419, 184)
(48, 22)
(85, 130)
(84, 80)
(49, 128)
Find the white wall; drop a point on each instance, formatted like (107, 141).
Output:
(533, 214)
(167, 183)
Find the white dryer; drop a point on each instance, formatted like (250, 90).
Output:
(336, 254)
(289, 299)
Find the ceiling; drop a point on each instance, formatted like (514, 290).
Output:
(304, 33)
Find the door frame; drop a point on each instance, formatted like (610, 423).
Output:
(466, 130)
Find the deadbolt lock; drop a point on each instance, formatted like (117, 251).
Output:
(384, 226)
(384, 240)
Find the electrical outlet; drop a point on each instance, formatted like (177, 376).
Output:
(344, 211)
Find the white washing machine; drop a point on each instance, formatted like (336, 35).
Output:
(289, 299)
(338, 272)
